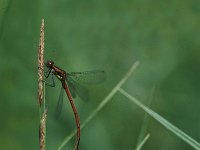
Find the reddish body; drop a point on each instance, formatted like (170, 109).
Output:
(62, 76)
(71, 88)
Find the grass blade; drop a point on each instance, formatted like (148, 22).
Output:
(163, 121)
(143, 142)
(146, 119)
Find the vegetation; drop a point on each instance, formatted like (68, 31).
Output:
(110, 35)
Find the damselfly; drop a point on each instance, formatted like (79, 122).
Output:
(73, 88)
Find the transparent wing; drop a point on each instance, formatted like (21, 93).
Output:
(89, 77)
(77, 88)
(72, 88)
(59, 104)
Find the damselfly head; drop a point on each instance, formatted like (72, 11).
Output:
(49, 63)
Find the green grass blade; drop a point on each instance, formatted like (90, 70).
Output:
(143, 142)
(163, 121)
(146, 118)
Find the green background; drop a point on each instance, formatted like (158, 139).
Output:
(164, 36)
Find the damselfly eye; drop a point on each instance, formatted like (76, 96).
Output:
(49, 63)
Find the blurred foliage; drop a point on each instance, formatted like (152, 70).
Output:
(111, 35)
